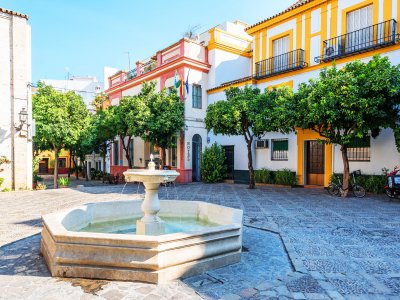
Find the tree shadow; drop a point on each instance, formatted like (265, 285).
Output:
(23, 258)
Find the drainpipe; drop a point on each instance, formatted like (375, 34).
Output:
(12, 100)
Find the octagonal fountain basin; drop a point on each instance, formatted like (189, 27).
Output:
(99, 240)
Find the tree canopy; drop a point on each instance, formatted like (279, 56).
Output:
(164, 119)
(60, 119)
(249, 113)
(356, 101)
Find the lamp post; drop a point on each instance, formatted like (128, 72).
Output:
(23, 118)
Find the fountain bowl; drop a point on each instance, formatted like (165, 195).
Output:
(150, 176)
(70, 252)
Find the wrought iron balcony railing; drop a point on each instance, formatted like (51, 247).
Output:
(372, 37)
(286, 62)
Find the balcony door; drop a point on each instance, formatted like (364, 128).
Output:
(280, 48)
(360, 32)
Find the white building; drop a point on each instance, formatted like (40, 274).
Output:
(15, 100)
(86, 87)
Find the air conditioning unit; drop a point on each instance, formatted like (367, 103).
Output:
(260, 144)
(330, 52)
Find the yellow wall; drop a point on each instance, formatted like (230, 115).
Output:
(50, 155)
(307, 135)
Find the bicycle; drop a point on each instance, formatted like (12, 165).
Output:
(336, 189)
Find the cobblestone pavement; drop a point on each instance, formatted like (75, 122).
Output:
(332, 248)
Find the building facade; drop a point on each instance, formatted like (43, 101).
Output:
(286, 49)
(15, 100)
(202, 62)
(292, 47)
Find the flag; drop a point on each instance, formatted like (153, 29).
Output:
(177, 81)
(181, 88)
(187, 83)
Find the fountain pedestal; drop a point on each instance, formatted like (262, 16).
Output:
(150, 224)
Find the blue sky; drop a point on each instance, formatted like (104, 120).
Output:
(84, 36)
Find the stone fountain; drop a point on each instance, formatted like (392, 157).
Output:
(142, 240)
(150, 224)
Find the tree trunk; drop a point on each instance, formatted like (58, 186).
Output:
(69, 165)
(252, 183)
(346, 171)
(162, 162)
(85, 170)
(75, 167)
(56, 168)
(104, 156)
(126, 149)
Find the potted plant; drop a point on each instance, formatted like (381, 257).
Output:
(64, 182)
(36, 178)
(41, 186)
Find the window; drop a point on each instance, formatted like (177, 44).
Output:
(131, 152)
(280, 149)
(281, 54)
(115, 153)
(196, 96)
(62, 162)
(359, 20)
(359, 149)
(172, 153)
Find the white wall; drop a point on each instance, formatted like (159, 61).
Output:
(263, 156)
(15, 35)
(383, 155)
(226, 66)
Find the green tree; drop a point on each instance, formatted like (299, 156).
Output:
(86, 144)
(60, 119)
(213, 166)
(127, 119)
(248, 113)
(355, 101)
(164, 117)
(103, 122)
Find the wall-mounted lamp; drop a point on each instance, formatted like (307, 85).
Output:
(186, 127)
(208, 140)
(23, 118)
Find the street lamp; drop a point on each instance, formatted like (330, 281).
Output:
(23, 118)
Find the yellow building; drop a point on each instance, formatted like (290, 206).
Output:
(47, 161)
(292, 47)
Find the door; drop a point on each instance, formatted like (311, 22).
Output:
(280, 49)
(196, 157)
(315, 164)
(44, 166)
(229, 161)
(359, 29)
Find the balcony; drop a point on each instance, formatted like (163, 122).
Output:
(372, 37)
(283, 63)
(142, 68)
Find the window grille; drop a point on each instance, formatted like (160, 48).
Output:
(280, 149)
(359, 149)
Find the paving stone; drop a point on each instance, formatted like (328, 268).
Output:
(340, 249)
(230, 297)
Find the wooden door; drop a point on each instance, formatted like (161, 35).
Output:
(44, 166)
(315, 165)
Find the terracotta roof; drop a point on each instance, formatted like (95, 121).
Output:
(291, 7)
(232, 82)
(10, 12)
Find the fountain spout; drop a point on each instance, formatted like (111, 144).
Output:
(150, 224)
